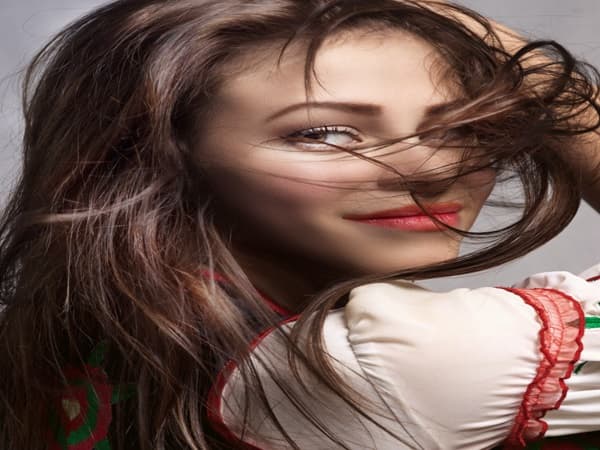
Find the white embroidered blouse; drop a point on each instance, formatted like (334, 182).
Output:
(464, 369)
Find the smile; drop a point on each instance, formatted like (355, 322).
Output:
(413, 223)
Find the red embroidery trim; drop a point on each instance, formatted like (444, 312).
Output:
(563, 325)
(273, 305)
(215, 395)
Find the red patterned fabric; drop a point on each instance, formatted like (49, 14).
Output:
(563, 324)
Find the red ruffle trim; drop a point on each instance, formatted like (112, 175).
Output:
(563, 324)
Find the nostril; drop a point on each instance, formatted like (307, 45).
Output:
(431, 188)
(425, 187)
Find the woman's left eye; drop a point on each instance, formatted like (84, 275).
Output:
(325, 136)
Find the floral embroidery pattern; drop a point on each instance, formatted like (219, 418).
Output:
(81, 417)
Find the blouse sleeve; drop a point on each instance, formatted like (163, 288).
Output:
(464, 369)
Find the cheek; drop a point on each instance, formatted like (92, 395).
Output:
(269, 194)
(272, 210)
(481, 183)
(477, 182)
(477, 187)
(297, 181)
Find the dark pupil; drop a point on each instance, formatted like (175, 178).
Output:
(314, 135)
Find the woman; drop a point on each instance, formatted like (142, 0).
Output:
(179, 197)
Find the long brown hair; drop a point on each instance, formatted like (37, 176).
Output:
(107, 231)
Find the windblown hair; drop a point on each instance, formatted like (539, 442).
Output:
(109, 227)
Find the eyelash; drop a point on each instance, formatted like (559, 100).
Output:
(297, 136)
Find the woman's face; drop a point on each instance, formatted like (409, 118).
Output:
(287, 201)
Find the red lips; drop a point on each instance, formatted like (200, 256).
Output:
(410, 210)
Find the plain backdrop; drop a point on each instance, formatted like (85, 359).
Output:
(26, 24)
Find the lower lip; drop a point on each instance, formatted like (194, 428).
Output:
(414, 223)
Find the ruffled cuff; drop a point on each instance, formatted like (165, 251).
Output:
(563, 324)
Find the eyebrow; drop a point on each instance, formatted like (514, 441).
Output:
(357, 108)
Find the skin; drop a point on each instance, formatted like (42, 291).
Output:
(283, 203)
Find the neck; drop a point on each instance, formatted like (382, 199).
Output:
(285, 279)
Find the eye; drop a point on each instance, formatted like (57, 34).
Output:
(324, 137)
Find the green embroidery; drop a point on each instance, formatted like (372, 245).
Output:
(89, 425)
(122, 392)
(579, 367)
(102, 445)
(97, 355)
(59, 433)
(90, 382)
(592, 322)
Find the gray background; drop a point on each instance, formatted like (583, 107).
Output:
(26, 24)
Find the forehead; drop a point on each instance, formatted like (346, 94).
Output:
(363, 64)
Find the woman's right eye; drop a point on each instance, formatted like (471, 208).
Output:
(324, 137)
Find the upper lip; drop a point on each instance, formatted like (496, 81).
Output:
(410, 210)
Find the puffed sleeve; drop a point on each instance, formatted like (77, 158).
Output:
(464, 369)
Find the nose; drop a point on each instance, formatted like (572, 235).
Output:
(423, 170)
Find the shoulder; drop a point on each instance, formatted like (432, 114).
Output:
(467, 368)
